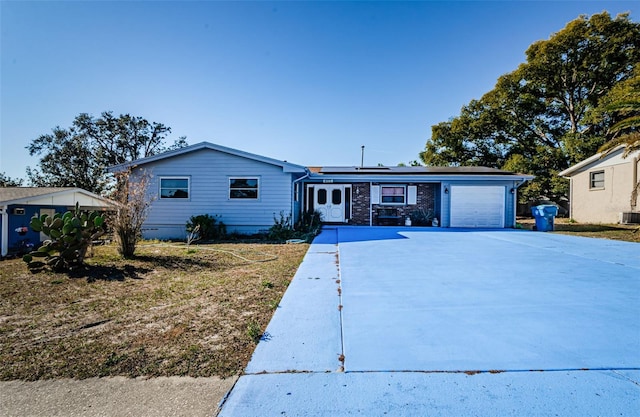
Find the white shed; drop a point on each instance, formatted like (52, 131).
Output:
(19, 204)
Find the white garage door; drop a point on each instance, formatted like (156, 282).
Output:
(477, 206)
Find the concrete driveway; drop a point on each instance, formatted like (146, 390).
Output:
(446, 322)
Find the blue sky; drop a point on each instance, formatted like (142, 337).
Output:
(306, 82)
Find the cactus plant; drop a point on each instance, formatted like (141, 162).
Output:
(70, 236)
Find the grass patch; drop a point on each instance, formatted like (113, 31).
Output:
(254, 331)
(168, 311)
(627, 233)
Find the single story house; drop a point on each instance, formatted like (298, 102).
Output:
(601, 188)
(247, 191)
(475, 197)
(19, 204)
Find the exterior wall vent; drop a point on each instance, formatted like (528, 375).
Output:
(630, 217)
(18, 211)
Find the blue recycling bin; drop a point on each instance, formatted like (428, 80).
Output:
(545, 215)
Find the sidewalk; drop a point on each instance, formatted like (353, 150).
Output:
(108, 397)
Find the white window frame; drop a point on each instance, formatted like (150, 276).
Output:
(404, 194)
(592, 174)
(257, 188)
(176, 177)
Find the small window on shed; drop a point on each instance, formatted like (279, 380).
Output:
(596, 179)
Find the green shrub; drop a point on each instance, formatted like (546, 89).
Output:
(282, 228)
(421, 217)
(254, 331)
(205, 227)
(309, 223)
(306, 228)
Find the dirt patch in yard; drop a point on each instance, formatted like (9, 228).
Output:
(171, 311)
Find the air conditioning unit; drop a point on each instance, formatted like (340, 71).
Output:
(630, 217)
(18, 211)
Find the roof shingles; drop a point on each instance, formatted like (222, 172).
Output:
(17, 193)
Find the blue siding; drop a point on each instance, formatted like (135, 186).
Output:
(20, 220)
(209, 172)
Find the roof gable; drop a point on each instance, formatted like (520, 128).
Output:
(600, 159)
(286, 166)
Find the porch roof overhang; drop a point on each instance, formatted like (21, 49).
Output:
(417, 178)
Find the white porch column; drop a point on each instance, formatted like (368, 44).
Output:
(4, 241)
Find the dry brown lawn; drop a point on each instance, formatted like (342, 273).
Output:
(173, 310)
(628, 233)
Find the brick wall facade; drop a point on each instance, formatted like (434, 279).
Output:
(425, 200)
(361, 198)
(362, 211)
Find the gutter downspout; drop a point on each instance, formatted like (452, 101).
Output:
(370, 205)
(4, 242)
(293, 191)
(514, 197)
(634, 190)
(570, 198)
(517, 184)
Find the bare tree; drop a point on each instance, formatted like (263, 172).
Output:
(134, 203)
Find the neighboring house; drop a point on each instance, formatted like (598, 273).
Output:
(248, 191)
(245, 190)
(19, 204)
(601, 187)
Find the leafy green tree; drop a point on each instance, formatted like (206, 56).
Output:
(539, 118)
(622, 106)
(68, 160)
(79, 155)
(6, 181)
(413, 163)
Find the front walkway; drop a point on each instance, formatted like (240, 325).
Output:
(445, 322)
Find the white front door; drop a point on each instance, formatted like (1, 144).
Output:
(329, 201)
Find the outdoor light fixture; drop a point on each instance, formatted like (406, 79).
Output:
(446, 190)
(513, 191)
